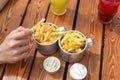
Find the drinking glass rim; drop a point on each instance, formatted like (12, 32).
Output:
(112, 3)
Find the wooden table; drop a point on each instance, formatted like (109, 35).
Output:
(102, 60)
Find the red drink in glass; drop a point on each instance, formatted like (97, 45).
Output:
(107, 9)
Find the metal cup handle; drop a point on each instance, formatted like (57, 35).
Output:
(62, 28)
(90, 42)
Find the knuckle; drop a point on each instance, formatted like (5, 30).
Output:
(15, 52)
(20, 27)
(24, 32)
(16, 59)
(9, 36)
(11, 44)
(12, 32)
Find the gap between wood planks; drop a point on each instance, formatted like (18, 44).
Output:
(19, 25)
(3, 71)
(102, 51)
(73, 28)
(35, 49)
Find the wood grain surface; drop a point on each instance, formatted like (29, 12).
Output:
(11, 19)
(38, 10)
(88, 24)
(64, 20)
(34, 13)
(38, 72)
(111, 61)
(102, 60)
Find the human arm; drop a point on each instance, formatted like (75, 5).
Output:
(15, 47)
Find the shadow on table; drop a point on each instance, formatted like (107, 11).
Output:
(58, 75)
(115, 25)
(38, 71)
(92, 62)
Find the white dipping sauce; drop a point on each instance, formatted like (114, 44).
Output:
(78, 71)
(51, 64)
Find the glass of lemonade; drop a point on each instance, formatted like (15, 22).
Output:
(59, 7)
(107, 9)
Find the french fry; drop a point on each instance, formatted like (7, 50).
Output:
(39, 23)
(78, 50)
(46, 36)
(73, 42)
(57, 33)
(64, 38)
(46, 33)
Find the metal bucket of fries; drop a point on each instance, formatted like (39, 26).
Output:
(73, 45)
(46, 37)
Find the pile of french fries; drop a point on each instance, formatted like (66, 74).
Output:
(73, 42)
(46, 33)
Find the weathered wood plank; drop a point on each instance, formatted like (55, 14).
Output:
(111, 56)
(89, 25)
(3, 31)
(38, 73)
(1, 70)
(36, 10)
(11, 19)
(64, 20)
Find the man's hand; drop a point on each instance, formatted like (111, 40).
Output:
(15, 47)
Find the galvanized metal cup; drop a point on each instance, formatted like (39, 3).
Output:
(75, 57)
(49, 49)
